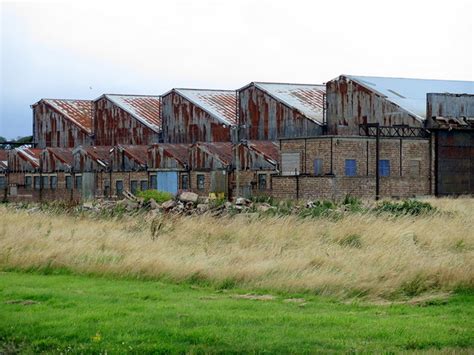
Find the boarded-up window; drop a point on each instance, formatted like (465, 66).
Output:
(200, 181)
(384, 167)
(414, 168)
(262, 181)
(119, 187)
(45, 182)
(2, 182)
(290, 163)
(143, 185)
(69, 182)
(37, 182)
(318, 167)
(134, 186)
(184, 182)
(53, 180)
(78, 182)
(350, 167)
(28, 180)
(153, 182)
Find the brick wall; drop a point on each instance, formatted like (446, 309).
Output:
(402, 154)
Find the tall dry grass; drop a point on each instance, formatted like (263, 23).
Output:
(360, 254)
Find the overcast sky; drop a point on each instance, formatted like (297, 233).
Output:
(84, 49)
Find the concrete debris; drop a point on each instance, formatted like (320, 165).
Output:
(188, 197)
(168, 205)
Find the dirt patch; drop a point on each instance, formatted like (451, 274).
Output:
(294, 300)
(255, 297)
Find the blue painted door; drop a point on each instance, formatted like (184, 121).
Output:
(167, 181)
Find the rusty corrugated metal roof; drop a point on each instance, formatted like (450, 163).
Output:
(308, 99)
(220, 150)
(3, 159)
(100, 154)
(410, 94)
(180, 152)
(77, 111)
(63, 154)
(146, 109)
(221, 104)
(139, 153)
(268, 149)
(32, 155)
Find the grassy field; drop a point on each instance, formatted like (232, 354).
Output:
(358, 254)
(351, 281)
(84, 314)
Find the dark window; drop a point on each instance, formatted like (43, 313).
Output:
(185, 182)
(106, 187)
(384, 167)
(78, 182)
(28, 182)
(351, 167)
(153, 182)
(54, 182)
(200, 181)
(119, 187)
(262, 181)
(69, 182)
(414, 168)
(134, 186)
(37, 182)
(2, 182)
(318, 167)
(143, 185)
(45, 182)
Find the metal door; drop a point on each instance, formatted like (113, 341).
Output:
(167, 181)
(88, 186)
(455, 162)
(219, 181)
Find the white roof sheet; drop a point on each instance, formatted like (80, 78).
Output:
(306, 98)
(219, 103)
(410, 94)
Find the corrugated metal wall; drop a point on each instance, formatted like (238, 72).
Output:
(113, 125)
(265, 118)
(184, 122)
(350, 104)
(52, 129)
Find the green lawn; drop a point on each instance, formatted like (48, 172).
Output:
(60, 313)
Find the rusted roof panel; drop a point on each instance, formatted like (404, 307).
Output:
(220, 150)
(78, 111)
(410, 94)
(31, 155)
(3, 159)
(268, 149)
(99, 154)
(179, 152)
(221, 104)
(139, 153)
(306, 98)
(146, 109)
(63, 154)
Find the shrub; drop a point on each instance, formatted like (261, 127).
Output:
(158, 196)
(407, 207)
(319, 209)
(352, 203)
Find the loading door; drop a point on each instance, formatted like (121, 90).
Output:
(167, 181)
(88, 186)
(455, 162)
(219, 181)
